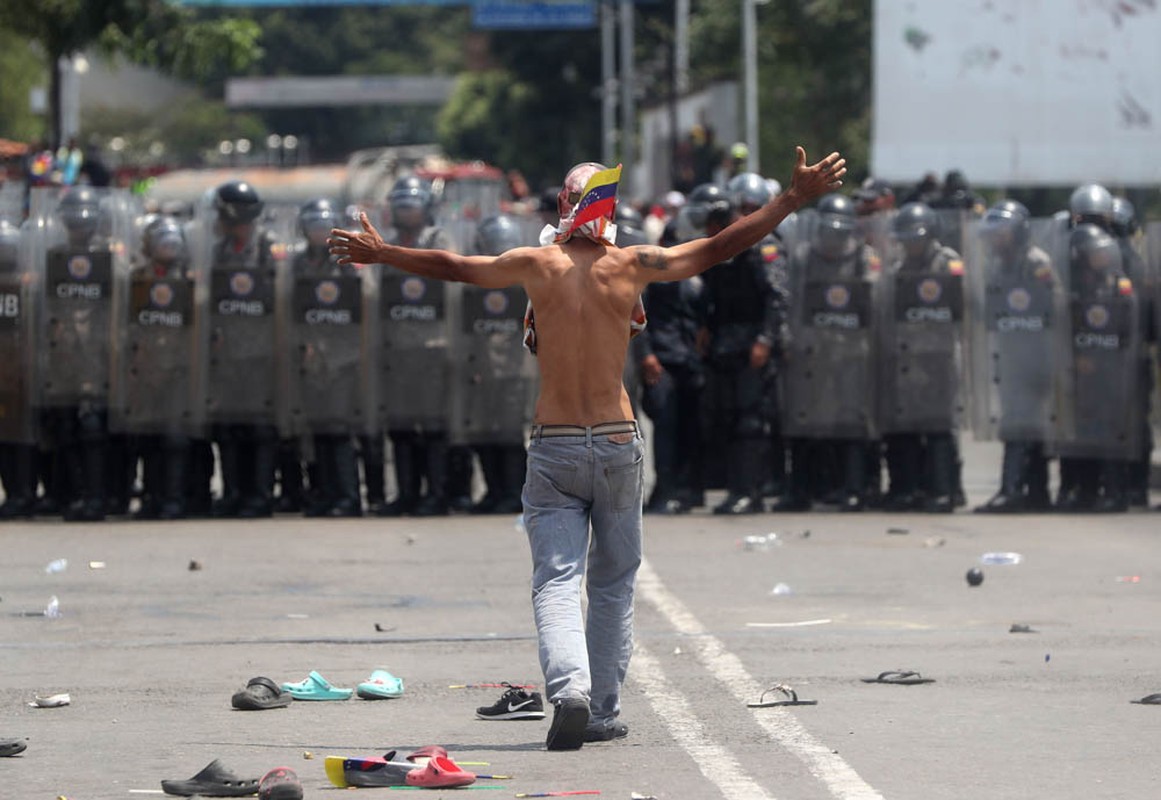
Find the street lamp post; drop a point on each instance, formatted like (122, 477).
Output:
(750, 78)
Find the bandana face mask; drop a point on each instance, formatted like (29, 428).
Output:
(586, 203)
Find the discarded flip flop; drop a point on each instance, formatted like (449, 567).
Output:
(316, 687)
(213, 781)
(51, 701)
(440, 773)
(260, 694)
(789, 698)
(280, 783)
(381, 685)
(363, 772)
(11, 747)
(426, 753)
(899, 677)
(1149, 700)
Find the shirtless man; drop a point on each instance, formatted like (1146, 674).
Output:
(586, 453)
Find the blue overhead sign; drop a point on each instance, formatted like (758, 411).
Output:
(289, 3)
(525, 15)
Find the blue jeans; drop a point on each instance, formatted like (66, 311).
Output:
(572, 482)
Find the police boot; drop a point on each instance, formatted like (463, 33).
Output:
(176, 461)
(289, 467)
(1114, 498)
(152, 480)
(345, 477)
(19, 482)
(1083, 485)
(853, 457)
(745, 470)
(53, 477)
(96, 462)
(514, 466)
(323, 483)
(797, 497)
(199, 499)
(1010, 498)
(406, 477)
(459, 479)
(1137, 478)
(435, 504)
(121, 472)
(903, 456)
(260, 503)
(230, 461)
(941, 463)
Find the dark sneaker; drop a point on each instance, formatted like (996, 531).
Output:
(603, 732)
(569, 722)
(514, 704)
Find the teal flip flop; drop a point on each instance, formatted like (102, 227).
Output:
(381, 685)
(315, 687)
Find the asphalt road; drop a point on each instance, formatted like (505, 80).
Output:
(151, 651)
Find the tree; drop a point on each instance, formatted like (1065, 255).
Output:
(20, 70)
(152, 32)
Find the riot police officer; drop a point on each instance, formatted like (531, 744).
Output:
(326, 349)
(17, 372)
(1016, 322)
(243, 271)
(827, 378)
(921, 309)
(415, 334)
(744, 318)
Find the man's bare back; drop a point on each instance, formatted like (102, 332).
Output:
(584, 292)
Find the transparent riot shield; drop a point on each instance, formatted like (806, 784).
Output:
(20, 292)
(828, 377)
(1152, 247)
(1099, 361)
(239, 274)
(413, 369)
(80, 246)
(325, 392)
(920, 325)
(494, 378)
(1015, 306)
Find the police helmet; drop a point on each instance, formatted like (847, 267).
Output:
(707, 203)
(1091, 203)
(834, 235)
(9, 246)
(1006, 223)
(80, 211)
(748, 191)
(410, 192)
(497, 234)
(915, 221)
(163, 240)
(316, 218)
(628, 216)
(237, 203)
(1124, 217)
(1094, 249)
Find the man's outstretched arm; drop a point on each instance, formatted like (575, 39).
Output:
(692, 258)
(368, 247)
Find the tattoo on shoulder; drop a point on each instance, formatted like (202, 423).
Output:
(652, 258)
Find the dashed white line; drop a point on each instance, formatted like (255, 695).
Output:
(824, 764)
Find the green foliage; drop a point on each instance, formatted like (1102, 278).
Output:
(195, 126)
(21, 69)
(468, 127)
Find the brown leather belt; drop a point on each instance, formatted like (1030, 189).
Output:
(604, 429)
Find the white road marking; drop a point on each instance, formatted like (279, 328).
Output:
(838, 776)
(801, 624)
(716, 763)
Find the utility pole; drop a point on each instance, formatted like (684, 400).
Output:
(628, 100)
(750, 78)
(608, 83)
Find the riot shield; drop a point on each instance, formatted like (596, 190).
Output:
(80, 246)
(494, 379)
(325, 388)
(1099, 362)
(1015, 306)
(19, 292)
(828, 378)
(920, 324)
(413, 371)
(240, 280)
(1153, 259)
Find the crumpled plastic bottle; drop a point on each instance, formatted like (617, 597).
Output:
(1001, 558)
(57, 565)
(760, 543)
(52, 610)
(781, 590)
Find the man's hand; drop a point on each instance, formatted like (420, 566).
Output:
(759, 355)
(651, 370)
(357, 248)
(816, 180)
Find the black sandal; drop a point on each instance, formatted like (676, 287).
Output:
(213, 781)
(789, 698)
(899, 677)
(260, 694)
(1149, 700)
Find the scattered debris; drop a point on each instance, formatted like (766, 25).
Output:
(1019, 627)
(898, 530)
(781, 590)
(975, 576)
(57, 565)
(51, 701)
(194, 565)
(96, 565)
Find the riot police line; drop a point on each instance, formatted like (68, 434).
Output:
(892, 334)
(144, 354)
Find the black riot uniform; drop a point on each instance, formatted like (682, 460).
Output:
(334, 472)
(422, 457)
(165, 453)
(1024, 354)
(744, 318)
(17, 452)
(247, 448)
(921, 462)
(1126, 229)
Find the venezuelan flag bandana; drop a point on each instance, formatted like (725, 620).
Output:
(592, 215)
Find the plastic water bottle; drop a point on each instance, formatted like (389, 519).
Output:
(58, 565)
(1001, 558)
(52, 610)
(781, 590)
(761, 542)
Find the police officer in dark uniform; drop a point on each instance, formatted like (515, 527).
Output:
(17, 447)
(334, 474)
(246, 437)
(744, 318)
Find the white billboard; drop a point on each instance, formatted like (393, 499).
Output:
(1018, 92)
